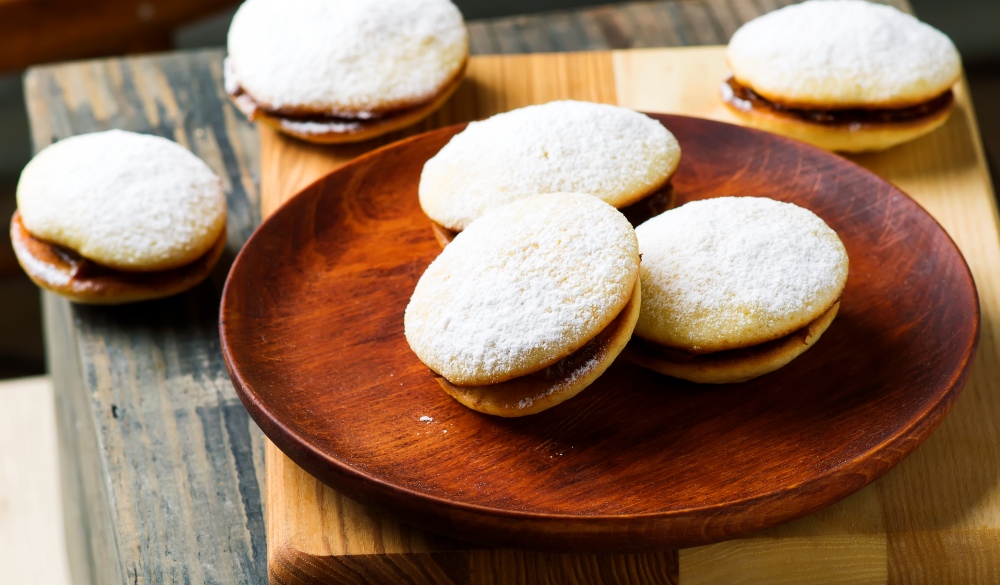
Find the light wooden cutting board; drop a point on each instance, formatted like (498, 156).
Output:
(933, 519)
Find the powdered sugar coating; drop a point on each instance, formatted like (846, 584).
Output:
(734, 272)
(316, 128)
(345, 57)
(125, 200)
(522, 287)
(616, 154)
(843, 53)
(568, 381)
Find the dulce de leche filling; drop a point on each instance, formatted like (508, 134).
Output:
(61, 267)
(250, 107)
(745, 99)
(343, 124)
(563, 376)
(673, 355)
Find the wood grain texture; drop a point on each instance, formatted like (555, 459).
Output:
(321, 287)
(317, 535)
(934, 518)
(624, 25)
(348, 543)
(855, 541)
(163, 467)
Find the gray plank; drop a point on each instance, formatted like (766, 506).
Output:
(535, 35)
(702, 25)
(655, 28)
(167, 465)
(766, 6)
(591, 32)
(725, 17)
(741, 11)
(616, 28)
(903, 5)
(89, 522)
(563, 29)
(480, 39)
(508, 36)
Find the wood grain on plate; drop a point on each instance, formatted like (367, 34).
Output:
(311, 326)
(933, 519)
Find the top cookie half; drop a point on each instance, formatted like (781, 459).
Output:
(523, 287)
(835, 54)
(616, 154)
(349, 58)
(127, 201)
(735, 272)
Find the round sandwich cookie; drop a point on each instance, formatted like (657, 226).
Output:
(844, 75)
(529, 304)
(619, 155)
(115, 217)
(336, 71)
(734, 288)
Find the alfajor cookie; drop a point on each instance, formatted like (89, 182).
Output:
(734, 288)
(334, 71)
(115, 217)
(621, 156)
(845, 75)
(529, 304)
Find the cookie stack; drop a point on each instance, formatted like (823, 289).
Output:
(845, 75)
(735, 288)
(529, 304)
(116, 217)
(335, 71)
(538, 293)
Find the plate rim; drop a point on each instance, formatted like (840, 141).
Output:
(319, 463)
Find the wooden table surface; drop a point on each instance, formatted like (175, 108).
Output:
(930, 520)
(163, 469)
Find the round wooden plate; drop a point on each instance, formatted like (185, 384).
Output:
(312, 330)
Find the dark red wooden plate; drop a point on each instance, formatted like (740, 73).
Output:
(312, 330)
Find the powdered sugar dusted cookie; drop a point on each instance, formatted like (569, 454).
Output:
(344, 70)
(742, 274)
(522, 289)
(843, 74)
(619, 155)
(127, 201)
(557, 383)
(122, 203)
(844, 54)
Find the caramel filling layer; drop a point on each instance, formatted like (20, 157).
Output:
(368, 119)
(557, 382)
(676, 356)
(571, 365)
(745, 99)
(60, 266)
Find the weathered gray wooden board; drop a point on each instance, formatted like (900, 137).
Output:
(626, 25)
(165, 463)
(163, 469)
